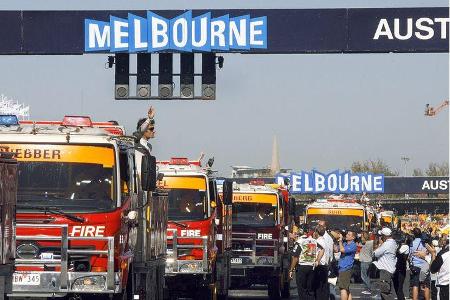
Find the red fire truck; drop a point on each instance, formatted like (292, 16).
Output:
(89, 221)
(199, 231)
(8, 194)
(261, 220)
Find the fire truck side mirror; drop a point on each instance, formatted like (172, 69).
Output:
(227, 192)
(148, 173)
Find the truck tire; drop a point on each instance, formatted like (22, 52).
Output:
(207, 293)
(273, 288)
(285, 291)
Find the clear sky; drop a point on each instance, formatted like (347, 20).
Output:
(326, 110)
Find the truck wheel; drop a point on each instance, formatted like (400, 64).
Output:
(207, 293)
(285, 291)
(273, 288)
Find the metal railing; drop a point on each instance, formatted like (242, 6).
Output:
(66, 252)
(251, 237)
(172, 254)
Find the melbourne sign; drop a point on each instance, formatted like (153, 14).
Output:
(335, 182)
(182, 33)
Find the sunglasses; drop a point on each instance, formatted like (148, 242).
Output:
(151, 129)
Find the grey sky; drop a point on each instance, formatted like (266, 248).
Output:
(326, 110)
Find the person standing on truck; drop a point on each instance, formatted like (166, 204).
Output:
(146, 129)
(347, 249)
(304, 256)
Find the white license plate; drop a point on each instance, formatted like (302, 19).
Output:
(236, 260)
(26, 279)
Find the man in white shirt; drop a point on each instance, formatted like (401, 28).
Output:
(439, 265)
(329, 242)
(386, 255)
(321, 286)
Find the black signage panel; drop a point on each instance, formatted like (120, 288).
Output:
(416, 185)
(10, 32)
(285, 30)
(398, 30)
(392, 185)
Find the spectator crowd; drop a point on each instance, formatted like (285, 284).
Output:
(324, 259)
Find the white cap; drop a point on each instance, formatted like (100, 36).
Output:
(385, 231)
(404, 249)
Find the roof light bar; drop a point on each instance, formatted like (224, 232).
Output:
(77, 121)
(179, 161)
(9, 120)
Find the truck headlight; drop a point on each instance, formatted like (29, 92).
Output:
(191, 267)
(90, 283)
(264, 260)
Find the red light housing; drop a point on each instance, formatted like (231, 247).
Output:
(77, 121)
(257, 182)
(179, 161)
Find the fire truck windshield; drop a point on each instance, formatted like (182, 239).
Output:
(346, 222)
(71, 178)
(187, 204)
(69, 186)
(254, 214)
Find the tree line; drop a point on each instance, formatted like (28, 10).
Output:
(379, 166)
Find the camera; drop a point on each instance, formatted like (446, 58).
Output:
(426, 238)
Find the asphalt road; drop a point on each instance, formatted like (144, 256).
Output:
(260, 292)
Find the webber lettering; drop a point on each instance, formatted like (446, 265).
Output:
(50, 154)
(242, 198)
(405, 29)
(182, 33)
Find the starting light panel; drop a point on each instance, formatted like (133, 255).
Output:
(122, 78)
(165, 74)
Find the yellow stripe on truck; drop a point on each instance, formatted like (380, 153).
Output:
(254, 198)
(183, 182)
(61, 153)
(336, 211)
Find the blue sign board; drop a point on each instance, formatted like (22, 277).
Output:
(335, 182)
(181, 33)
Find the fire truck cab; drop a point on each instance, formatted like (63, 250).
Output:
(199, 231)
(343, 214)
(8, 196)
(89, 221)
(260, 238)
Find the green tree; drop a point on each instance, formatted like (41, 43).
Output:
(436, 169)
(417, 172)
(377, 166)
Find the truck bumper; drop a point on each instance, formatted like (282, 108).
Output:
(48, 284)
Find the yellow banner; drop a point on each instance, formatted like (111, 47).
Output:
(336, 211)
(183, 182)
(254, 197)
(62, 153)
